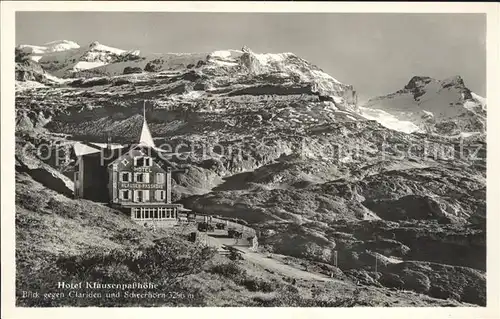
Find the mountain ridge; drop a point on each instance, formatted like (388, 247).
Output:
(273, 140)
(410, 109)
(438, 106)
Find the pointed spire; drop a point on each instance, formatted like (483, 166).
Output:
(146, 138)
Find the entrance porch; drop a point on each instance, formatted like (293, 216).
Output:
(157, 214)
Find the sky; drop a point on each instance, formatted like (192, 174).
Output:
(377, 53)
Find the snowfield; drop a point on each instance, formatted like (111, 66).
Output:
(425, 101)
(388, 120)
(83, 65)
(54, 46)
(66, 59)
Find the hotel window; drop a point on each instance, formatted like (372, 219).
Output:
(147, 213)
(139, 196)
(141, 161)
(160, 178)
(125, 177)
(138, 161)
(141, 177)
(170, 213)
(160, 195)
(146, 195)
(125, 194)
(137, 213)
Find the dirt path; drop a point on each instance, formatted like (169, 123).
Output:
(281, 268)
(270, 264)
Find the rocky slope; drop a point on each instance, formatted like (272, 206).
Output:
(273, 140)
(62, 239)
(441, 106)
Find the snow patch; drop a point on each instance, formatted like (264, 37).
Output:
(224, 54)
(84, 65)
(427, 113)
(193, 95)
(55, 78)
(28, 85)
(469, 134)
(54, 46)
(100, 47)
(61, 45)
(35, 58)
(338, 100)
(266, 58)
(324, 76)
(389, 120)
(32, 49)
(480, 99)
(225, 63)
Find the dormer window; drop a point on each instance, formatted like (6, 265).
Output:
(143, 161)
(138, 161)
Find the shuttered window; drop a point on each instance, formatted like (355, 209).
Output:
(125, 194)
(141, 196)
(160, 178)
(125, 176)
(141, 177)
(160, 195)
(138, 161)
(141, 161)
(137, 196)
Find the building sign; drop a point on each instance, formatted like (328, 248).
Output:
(142, 186)
(142, 169)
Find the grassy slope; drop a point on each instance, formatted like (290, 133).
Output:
(61, 239)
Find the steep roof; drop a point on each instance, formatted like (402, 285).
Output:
(146, 138)
(83, 149)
